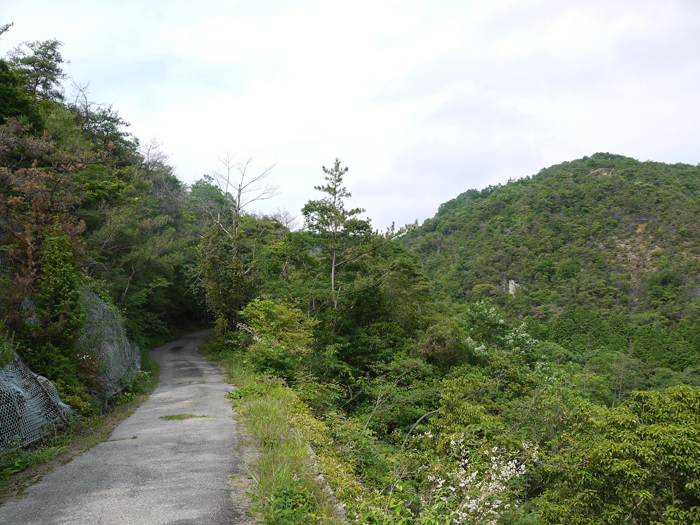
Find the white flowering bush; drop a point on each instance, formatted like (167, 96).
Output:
(487, 327)
(480, 484)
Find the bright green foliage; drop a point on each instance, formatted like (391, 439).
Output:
(18, 459)
(286, 324)
(65, 135)
(282, 336)
(58, 299)
(634, 464)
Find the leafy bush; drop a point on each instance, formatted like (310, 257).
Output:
(292, 504)
(633, 464)
(285, 323)
(79, 400)
(7, 350)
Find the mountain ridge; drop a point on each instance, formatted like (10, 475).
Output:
(605, 233)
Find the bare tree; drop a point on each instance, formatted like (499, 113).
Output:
(240, 188)
(153, 156)
(156, 168)
(285, 218)
(82, 106)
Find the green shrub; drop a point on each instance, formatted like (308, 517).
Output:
(79, 400)
(292, 504)
(50, 352)
(7, 349)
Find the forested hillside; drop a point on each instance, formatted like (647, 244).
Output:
(599, 252)
(529, 355)
(84, 205)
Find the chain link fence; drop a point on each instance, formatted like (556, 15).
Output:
(29, 406)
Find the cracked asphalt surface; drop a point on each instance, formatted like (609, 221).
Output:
(152, 471)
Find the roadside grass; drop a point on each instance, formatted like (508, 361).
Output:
(22, 467)
(179, 416)
(287, 490)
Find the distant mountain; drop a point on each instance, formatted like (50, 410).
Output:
(605, 237)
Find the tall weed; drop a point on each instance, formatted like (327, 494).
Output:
(286, 490)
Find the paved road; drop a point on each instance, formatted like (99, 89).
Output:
(152, 471)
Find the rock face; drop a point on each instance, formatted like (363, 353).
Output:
(512, 287)
(104, 337)
(30, 405)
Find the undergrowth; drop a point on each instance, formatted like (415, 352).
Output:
(286, 489)
(17, 460)
(288, 434)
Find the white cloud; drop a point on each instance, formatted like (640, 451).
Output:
(421, 100)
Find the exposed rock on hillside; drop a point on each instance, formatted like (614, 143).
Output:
(104, 337)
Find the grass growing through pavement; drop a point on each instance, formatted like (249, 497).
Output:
(286, 489)
(179, 416)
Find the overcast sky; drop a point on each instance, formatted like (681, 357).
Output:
(422, 100)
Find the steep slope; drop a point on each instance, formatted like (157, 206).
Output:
(605, 235)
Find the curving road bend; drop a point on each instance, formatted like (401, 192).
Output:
(152, 471)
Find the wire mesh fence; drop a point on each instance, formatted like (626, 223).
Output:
(29, 406)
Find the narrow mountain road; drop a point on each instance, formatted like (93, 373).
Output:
(152, 471)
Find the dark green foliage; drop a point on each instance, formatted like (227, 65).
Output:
(604, 234)
(127, 230)
(14, 102)
(40, 64)
(7, 346)
(106, 130)
(664, 285)
(223, 280)
(49, 351)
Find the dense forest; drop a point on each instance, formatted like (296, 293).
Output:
(529, 355)
(84, 205)
(598, 253)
